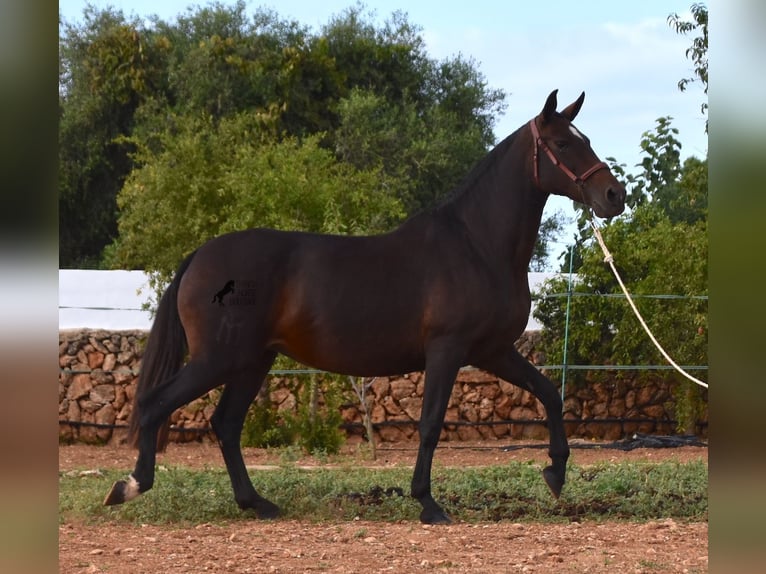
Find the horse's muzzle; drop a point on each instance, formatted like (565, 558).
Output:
(610, 203)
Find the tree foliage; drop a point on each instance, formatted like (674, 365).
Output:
(697, 52)
(106, 69)
(362, 95)
(206, 178)
(653, 256)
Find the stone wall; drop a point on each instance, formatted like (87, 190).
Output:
(99, 375)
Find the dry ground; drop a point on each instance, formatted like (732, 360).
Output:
(360, 546)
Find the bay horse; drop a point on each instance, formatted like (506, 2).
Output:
(447, 288)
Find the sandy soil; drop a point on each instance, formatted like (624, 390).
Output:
(360, 546)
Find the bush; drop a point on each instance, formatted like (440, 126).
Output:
(313, 427)
(319, 429)
(266, 427)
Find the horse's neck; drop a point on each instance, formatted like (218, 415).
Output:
(503, 214)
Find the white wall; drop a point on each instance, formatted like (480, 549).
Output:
(111, 299)
(103, 299)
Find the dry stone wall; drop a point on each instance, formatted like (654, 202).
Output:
(99, 374)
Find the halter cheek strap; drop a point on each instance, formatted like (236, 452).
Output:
(539, 144)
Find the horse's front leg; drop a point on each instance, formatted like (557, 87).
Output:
(515, 369)
(441, 370)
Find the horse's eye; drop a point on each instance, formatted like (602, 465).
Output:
(562, 145)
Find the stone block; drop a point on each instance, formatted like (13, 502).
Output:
(103, 394)
(412, 406)
(80, 387)
(95, 360)
(402, 388)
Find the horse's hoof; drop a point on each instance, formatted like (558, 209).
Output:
(554, 480)
(267, 510)
(260, 506)
(435, 517)
(122, 491)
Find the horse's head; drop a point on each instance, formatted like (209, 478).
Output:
(565, 164)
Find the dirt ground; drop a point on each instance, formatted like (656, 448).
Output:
(360, 546)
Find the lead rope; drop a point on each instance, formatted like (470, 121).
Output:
(608, 258)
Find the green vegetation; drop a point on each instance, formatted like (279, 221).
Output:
(314, 427)
(173, 131)
(514, 491)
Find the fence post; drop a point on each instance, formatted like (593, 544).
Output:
(564, 363)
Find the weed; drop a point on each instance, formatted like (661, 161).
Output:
(315, 427)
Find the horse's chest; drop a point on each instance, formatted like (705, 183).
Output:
(505, 309)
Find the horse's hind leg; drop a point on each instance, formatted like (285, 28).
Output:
(515, 369)
(192, 381)
(227, 422)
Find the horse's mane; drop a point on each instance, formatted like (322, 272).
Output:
(479, 169)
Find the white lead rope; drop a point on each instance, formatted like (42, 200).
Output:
(609, 259)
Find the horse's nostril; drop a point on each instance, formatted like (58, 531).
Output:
(614, 195)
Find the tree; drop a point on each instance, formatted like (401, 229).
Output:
(423, 153)
(129, 85)
(678, 190)
(697, 52)
(106, 67)
(653, 256)
(424, 122)
(207, 178)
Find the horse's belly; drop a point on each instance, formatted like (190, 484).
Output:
(361, 329)
(356, 356)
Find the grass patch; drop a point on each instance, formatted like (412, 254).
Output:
(513, 491)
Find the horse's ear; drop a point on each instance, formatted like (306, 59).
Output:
(550, 106)
(571, 111)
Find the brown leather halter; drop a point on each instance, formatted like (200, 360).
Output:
(540, 144)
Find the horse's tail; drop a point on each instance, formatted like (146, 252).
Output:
(163, 357)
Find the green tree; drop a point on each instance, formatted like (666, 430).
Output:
(680, 191)
(422, 152)
(424, 122)
(126, 85)
(697, 52)
(106, 67)
(208, 178)
(653, 256)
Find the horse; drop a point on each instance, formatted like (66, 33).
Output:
(445, 289)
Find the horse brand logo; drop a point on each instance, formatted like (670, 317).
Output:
(228, 288)
(236, 293)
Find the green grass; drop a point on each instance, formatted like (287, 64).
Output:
(514, 491)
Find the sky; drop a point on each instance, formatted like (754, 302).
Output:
(623, 55)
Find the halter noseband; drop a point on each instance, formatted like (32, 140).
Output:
(540, 144)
